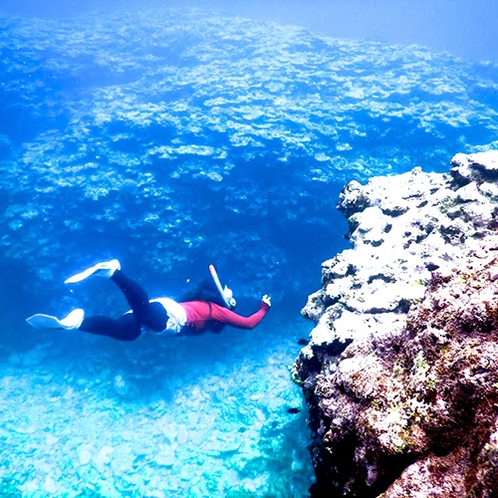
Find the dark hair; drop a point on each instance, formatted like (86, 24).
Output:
(205, 291)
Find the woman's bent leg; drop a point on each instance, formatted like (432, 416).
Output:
(125, 328)
(151, 315)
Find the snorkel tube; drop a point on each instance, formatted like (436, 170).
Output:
(226, 293)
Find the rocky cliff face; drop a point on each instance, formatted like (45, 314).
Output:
(400, 374)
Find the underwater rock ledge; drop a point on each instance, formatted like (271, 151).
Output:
(400, 374)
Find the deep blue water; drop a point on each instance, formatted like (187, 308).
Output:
(175, 138)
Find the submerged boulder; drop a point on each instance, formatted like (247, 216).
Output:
(400, 373)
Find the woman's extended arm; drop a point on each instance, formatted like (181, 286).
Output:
(229, 317)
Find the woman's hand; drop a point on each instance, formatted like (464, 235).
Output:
(267, 300)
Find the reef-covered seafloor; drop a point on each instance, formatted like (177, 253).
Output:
(168, 137)
(400, 375)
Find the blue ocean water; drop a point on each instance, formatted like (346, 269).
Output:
(172, 138)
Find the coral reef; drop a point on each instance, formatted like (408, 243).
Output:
(173, 136)
(400, 374)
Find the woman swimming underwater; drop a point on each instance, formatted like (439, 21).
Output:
(192, 316)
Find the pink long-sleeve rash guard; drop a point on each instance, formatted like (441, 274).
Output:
(200, 312)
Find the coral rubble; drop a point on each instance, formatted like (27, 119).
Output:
(400, 373)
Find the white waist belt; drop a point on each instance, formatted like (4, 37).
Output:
(177, 316)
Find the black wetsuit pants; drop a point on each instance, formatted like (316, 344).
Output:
(129, 326)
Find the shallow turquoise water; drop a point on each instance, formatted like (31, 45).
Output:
(120, 421)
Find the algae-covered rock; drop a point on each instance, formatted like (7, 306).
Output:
(435, 221)
(408, 408)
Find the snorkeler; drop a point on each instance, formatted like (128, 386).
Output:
(201, 312)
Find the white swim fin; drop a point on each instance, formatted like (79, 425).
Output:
(70, 322)
(105, 269)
